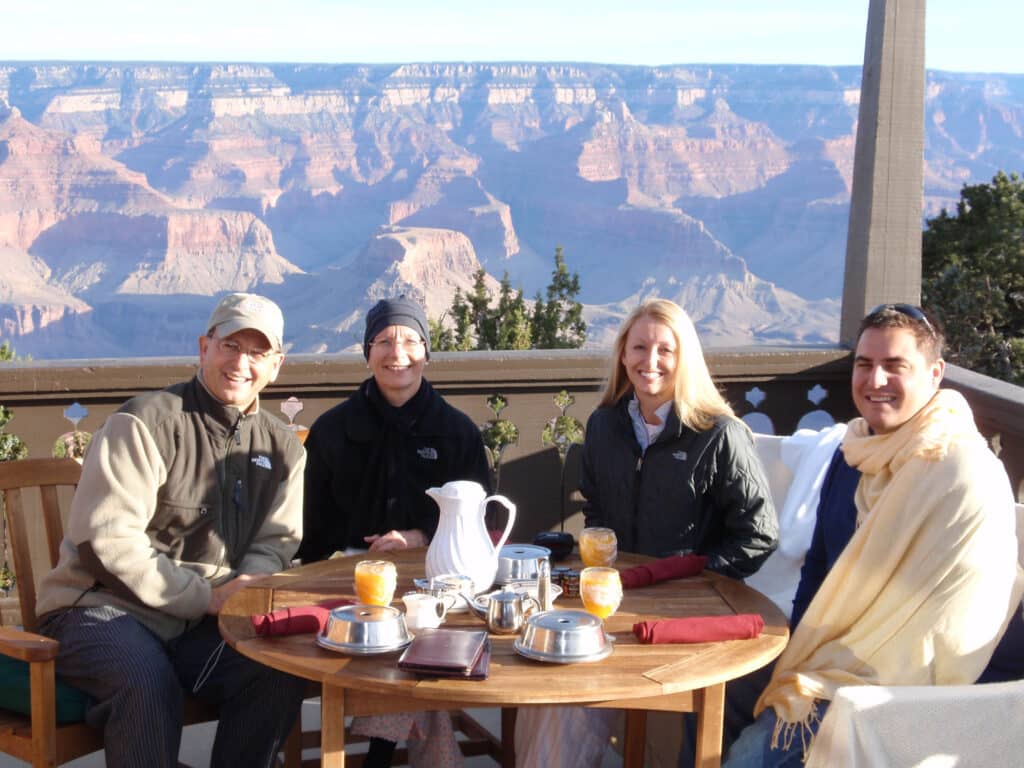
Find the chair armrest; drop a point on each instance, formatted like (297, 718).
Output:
(29, 685)
(27, 646)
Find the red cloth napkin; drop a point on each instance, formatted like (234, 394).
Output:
(674, 567)
(700, 629)
(295, 620)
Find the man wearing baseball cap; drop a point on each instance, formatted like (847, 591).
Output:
(186, 495)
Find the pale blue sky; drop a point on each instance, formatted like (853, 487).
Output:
(963, 35)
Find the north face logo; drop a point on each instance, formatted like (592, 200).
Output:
(263, 462)
(428, 453)
(679, 455)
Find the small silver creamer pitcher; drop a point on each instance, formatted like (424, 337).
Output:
(506, 611)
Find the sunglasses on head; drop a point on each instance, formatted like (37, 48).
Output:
(914, 313)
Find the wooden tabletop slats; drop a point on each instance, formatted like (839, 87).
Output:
(632, 671)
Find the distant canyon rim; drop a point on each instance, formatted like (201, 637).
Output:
(131, 194)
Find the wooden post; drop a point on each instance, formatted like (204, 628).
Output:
(883, 245)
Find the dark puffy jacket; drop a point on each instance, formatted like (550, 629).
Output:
(702, 492)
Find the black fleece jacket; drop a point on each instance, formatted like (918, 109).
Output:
(369, 465)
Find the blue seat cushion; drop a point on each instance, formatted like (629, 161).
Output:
(15, 693)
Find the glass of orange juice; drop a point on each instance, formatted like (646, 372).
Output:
(601, 591)
(598, 547)
(376, 581)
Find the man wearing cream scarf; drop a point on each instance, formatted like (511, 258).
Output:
(924, 588)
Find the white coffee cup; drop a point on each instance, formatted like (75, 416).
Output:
(424, 611)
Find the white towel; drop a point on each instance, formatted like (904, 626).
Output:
(806, 454)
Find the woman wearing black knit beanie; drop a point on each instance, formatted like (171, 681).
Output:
(369, 462)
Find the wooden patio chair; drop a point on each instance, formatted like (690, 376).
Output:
(34, 530)
(37, 497)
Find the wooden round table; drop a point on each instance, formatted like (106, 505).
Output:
(636, 677)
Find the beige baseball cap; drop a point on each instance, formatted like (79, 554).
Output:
(241, 311)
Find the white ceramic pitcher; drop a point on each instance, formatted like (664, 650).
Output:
(462, 544)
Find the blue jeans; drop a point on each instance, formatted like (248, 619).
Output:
(753, 748)
(741, 695)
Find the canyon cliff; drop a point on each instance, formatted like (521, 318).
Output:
(133, 193)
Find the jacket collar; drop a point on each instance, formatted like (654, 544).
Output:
(673, 427)
(365, 423)
(216, 413)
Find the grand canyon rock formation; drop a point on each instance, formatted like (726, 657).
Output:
(134, 192)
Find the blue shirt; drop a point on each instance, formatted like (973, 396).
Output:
(834, 527)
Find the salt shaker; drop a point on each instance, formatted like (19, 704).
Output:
(544, 584)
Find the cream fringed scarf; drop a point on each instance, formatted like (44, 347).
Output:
(923, 589)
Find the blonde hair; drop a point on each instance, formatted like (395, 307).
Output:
(696, 400)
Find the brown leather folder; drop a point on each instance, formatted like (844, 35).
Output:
(448, 653)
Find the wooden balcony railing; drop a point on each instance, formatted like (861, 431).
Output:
(774, 389)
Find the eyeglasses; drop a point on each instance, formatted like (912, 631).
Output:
(914, 313)
(389, 345)
(232, 348)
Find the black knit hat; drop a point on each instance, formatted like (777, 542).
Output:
(400, 311)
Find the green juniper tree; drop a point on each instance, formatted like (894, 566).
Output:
(461, 338)
(478, 322)
(441, 336)
(558, 323)
(973, 277)
(482, 317)
(512, 319)
(473, 318)
(538, 319)
(11, 448)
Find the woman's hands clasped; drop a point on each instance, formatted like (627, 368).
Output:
(395, 540)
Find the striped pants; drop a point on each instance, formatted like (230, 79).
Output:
(138, 683)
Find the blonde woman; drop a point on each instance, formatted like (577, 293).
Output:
(666, 463)
(669, 467)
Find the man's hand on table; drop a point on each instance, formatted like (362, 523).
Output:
(219, 595)
(396, 540)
